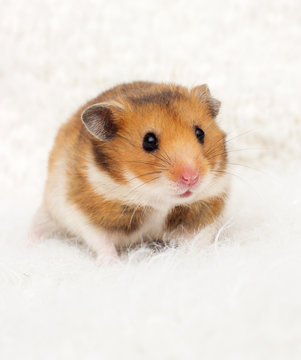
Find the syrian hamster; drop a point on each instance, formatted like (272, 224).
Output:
(142, 161)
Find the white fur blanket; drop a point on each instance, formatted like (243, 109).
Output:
(238, 299)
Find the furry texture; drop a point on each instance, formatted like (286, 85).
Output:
(237, 299)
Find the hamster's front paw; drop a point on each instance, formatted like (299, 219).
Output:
(106, 257)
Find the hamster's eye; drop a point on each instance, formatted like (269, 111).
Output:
(150, 142)
(199, 133)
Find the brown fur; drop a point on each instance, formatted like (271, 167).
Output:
(201, 212)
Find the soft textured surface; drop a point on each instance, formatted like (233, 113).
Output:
(239, 298)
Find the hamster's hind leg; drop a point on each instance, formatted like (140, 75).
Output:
(43, 226)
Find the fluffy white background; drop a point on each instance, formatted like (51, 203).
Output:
(238, 299)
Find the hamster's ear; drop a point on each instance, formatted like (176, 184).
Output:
(100, 120)
(203, 92)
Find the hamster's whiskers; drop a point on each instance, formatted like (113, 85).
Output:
(227, 141)
(145, 174)
(241, 179)
(146, 163)
(234, 150)
(162, 158)
(143, 184)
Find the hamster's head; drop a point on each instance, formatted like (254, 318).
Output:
(161, 145)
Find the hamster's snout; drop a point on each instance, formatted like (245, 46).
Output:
(189, 176)
(186, 180)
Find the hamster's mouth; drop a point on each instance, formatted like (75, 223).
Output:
(185, 194)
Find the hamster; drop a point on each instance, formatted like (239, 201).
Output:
(142, 161)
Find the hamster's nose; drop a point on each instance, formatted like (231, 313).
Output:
(189, 176)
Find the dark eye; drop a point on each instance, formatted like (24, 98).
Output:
(199, 133)
(150, 142)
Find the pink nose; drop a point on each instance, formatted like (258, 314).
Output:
(189, 177)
